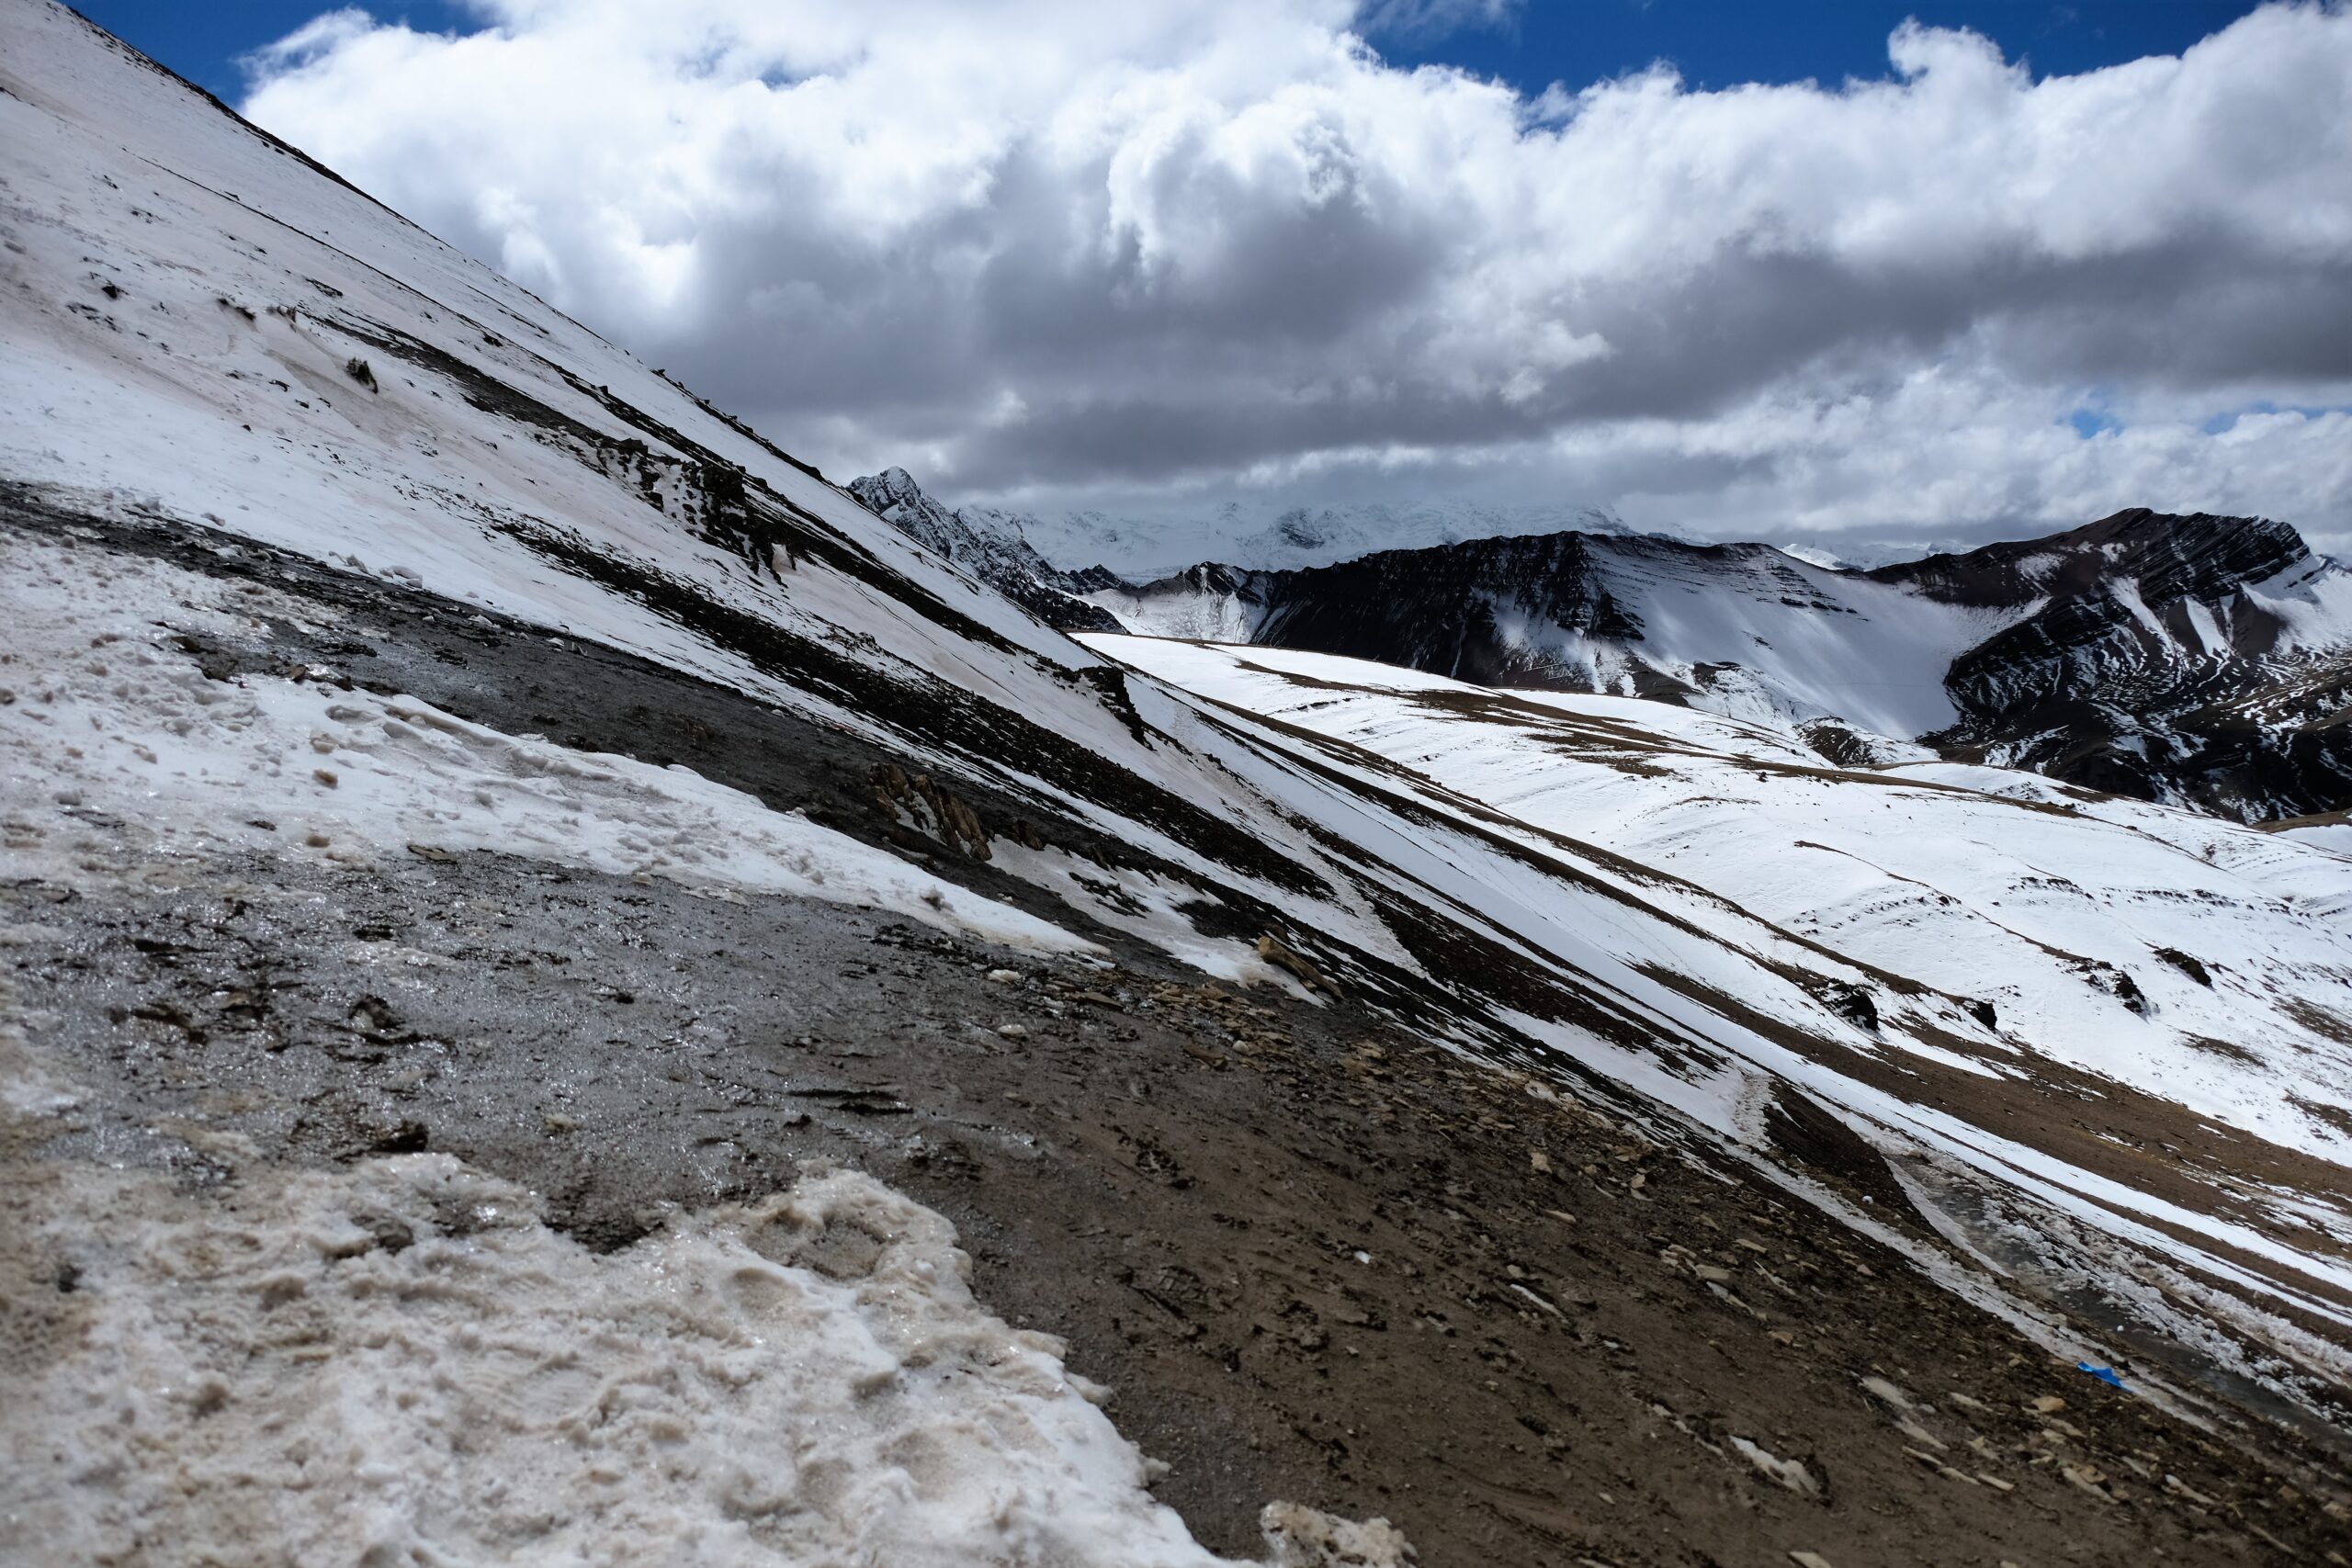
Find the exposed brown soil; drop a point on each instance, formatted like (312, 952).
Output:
(1317, 1260)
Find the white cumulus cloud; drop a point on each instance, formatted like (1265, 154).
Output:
(1140, 255)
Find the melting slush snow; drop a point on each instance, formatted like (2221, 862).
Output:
(399, 1363)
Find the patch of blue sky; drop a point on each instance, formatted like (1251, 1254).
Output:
(1717, 43)
(1530, 44)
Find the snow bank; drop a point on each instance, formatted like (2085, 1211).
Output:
(110, 714)
(399, 1363)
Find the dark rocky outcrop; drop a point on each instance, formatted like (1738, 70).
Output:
(1450, 610)
(2143, 665)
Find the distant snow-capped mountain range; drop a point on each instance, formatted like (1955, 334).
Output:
(1265, 539)
(2202, 660)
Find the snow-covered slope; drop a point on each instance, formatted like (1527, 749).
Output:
(2191, 959)
(208, 330)
(230, 378)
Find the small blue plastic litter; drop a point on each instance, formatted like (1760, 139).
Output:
(2104, 1374)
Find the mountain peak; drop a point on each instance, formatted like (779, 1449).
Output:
(894, 489)
(896, 481)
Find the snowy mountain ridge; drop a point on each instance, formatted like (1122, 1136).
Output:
(2201, 661)
(1265, 538)
(478, 819)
